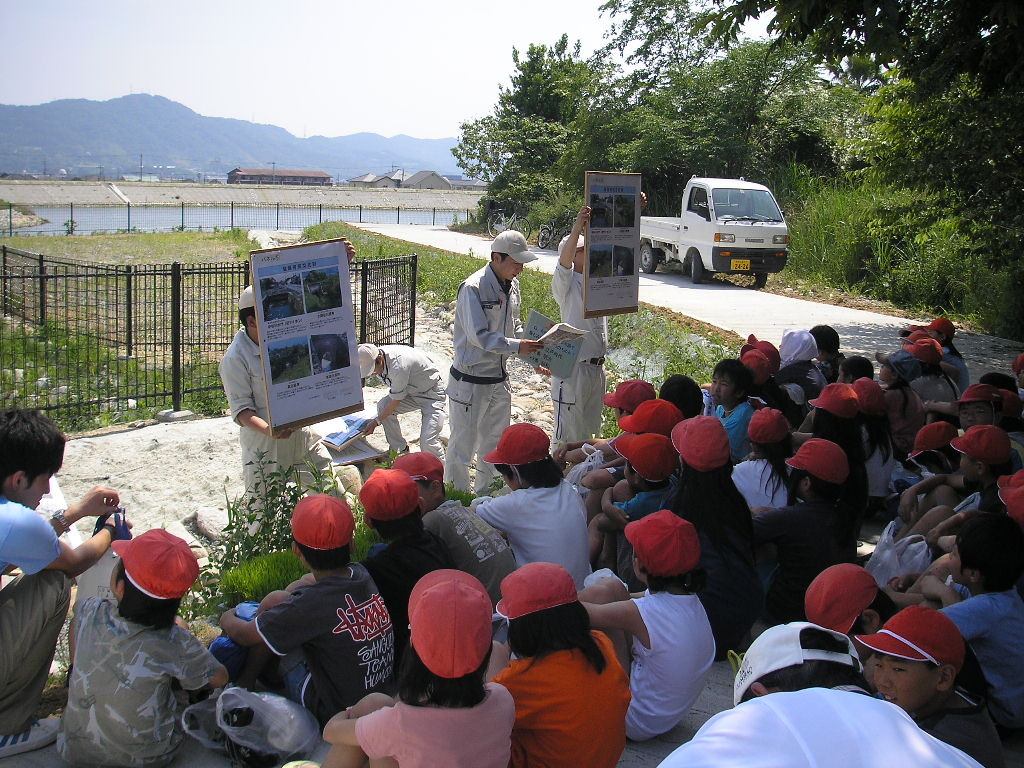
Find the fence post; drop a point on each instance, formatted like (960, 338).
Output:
(277, 221)
(4, 285)
(360, 214)
(129, 314)
(398, 215)
(412, 303)
(363, 288)
(182, 219)
(42, 289)
(129, 218)
(321, 214)
(176, 335)
(71, 219)
(232, 214)
(433, 217)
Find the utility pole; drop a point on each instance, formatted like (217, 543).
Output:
(140, 167)
(273, 172)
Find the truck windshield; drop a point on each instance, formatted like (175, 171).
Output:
(745, 205)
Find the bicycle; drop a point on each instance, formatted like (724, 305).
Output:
(556, 228)
(499, 221)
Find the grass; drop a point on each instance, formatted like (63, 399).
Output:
(142, 248)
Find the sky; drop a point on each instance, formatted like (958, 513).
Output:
(312, 67)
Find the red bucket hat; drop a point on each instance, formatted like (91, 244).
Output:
(1018, 364)
(420, 466)
(535, 587)
(158, 563)
(322, 522)
(702, 442)
(629, 394)
(839, 400)
(1013, 497)
(1012, 405)
(980, 393)
(927, 351)
(838, 595)
(932, 437)
(758, 363)
(870, 396)
(919, 634)
(823, 459)
(984, 443)
(520, 444)
(767, 425)
(655, 415)
(450, 622)
(1016, 480)
(766, 348)
(389, 494)
(943, 326)
(665, 544)
(650, 454)
(915, 335)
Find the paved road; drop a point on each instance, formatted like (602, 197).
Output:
(742, 310)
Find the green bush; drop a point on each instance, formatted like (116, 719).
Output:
(256, 578)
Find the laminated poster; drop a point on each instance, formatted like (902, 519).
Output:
(612, 280)
(307, 333)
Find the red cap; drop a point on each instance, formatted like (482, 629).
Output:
(629, 394)
(1016, 480)
(984, 443)
(665, 544)
(1013, 497)
(943, 326)
(650, 454)
(919, 634)
(767, 349)
(767, 425)
(870, 397)
(322, 522)
(1012, 405)
(158, 563)
(1018, 364)
(535, 587)
(702, 442)
(932, 437)
(758, 363)
(839, 400)
(420, 466)
(520, 444)
(919, 334)
(450, 622)
(655, 415)
(838, 595)
(823, 459)
(389, 494)
(927, 351)
(980, 393)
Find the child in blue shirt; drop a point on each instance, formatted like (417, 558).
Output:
(730, 386)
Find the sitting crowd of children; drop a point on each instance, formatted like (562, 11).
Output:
(584, 604)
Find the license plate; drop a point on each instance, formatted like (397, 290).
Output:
(741, 264)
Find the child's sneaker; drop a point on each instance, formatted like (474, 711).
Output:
(40, 734)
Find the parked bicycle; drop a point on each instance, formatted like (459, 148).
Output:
(556, 228)
(499, 221)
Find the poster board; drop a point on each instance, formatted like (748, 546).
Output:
(611, 284)
(559, 358)
(307, 333)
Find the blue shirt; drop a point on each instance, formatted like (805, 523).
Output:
(736, 426)
(26, 539)
(643, 504)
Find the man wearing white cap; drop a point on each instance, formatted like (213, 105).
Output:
(415, 384)
(487, 330)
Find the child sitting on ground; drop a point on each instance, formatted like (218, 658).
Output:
(570, 690)
(914, 663)
(624, 400)
(662, 636)
(445, 715)
(763, 479)
(331, 628)
(121, 710)
(730, 386)
(855, 367)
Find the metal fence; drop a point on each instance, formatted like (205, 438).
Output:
(81, 340)
(192, 217)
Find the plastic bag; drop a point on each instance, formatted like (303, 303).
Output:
(576, 474)
(267, 724)
(199, 721)
(893, 558)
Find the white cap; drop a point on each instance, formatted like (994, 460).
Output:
(779, 647)
(247, 300)
(580, 243)
(367, 359)
(513, 244)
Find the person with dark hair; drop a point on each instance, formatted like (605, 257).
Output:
(943, 331)
(904, 406)
(766, 390)
(570, 689)
(801, 701)
(934, 385)
(763, 479)
(662, 636)
(730, 386)
(543, 516)
(829, 357)
(846, 599)
(879, 451)
(855, 367)
(445, 713)
(798, 374)
(121, 708)
(34, 604)
(331, 628)
(684, 393)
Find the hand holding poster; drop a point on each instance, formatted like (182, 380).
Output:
(611, 282)
(306, 332)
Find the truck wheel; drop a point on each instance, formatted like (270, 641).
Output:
(696, 268)
(760, 280)
(648, 261)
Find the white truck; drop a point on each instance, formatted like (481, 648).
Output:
(725, 225)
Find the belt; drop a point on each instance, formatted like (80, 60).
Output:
(460, 376)
(594, 361)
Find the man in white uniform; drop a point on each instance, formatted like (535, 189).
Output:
(578, 399)
(415, 385)
(487, 330)
(241, 373)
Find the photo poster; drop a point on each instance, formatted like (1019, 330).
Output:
(307, 333)
(560, 359)
(611, 284)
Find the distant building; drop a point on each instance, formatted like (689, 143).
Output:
(427, 180)
(362, 181)
(389, 180)
(279, 176)
(473, 185)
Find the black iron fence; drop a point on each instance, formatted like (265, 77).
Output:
(92, 343)
(193, 217)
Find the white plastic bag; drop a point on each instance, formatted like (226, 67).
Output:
(576, 474)
(278, 725)
(200, 722)
(893, 558)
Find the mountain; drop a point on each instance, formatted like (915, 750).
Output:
(85, 136)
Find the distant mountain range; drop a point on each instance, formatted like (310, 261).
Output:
(89, 137)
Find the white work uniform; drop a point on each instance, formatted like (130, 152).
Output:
(487, 330)
(416, 383)
(241, 373)
(579, 399)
